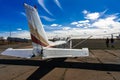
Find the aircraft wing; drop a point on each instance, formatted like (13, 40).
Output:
(22, 53)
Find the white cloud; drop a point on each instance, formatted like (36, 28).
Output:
(85, 27)
(85, 21)
(74, 23)
(92, 16)
(96, 24)
(56, 25)
(41, 2)
(19, 29)
(58, 4)
(47, 18)
(79, 25)
(84, 11)
(84, 33)
(104, 25)
(108, 23)
(19, 34)
(98, 20)
(66, 28)
(22, 34)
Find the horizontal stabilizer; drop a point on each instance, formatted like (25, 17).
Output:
(56, 43)
(59, 53)
(22, 53)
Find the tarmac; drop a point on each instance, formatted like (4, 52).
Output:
(100, 65)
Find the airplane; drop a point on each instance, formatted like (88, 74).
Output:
(42, 47)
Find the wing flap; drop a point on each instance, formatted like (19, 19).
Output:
(59, 53)
(22, 53)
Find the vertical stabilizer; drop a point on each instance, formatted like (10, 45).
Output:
(38, 36)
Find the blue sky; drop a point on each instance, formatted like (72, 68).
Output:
(84, 17)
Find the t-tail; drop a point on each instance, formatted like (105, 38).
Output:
(38, 36)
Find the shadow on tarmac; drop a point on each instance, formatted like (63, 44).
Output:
(45, 66)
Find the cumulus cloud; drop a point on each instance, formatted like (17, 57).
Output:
(109, 22)
(92, 16)
(98, 27)
(58, 4)
(19, 34)
(84, 11)
(97, 24)
(47, 18)
(56, 25)
(74, 23)
(84, 33)
(83, 23)
(92, 24)
(79, 25)
(66, 28)
(22, 34)
(19, 29)
(98, 20)
(41, 2)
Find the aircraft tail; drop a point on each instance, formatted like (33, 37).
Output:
(37, 32)
(38, 36)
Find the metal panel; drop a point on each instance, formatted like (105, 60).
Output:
(57, 53)
(23, 53)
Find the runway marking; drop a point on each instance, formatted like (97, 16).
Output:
(108, 72)
(19, 75)
(96, 57)
(111, 53)
(3, 66)
(63, 76)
